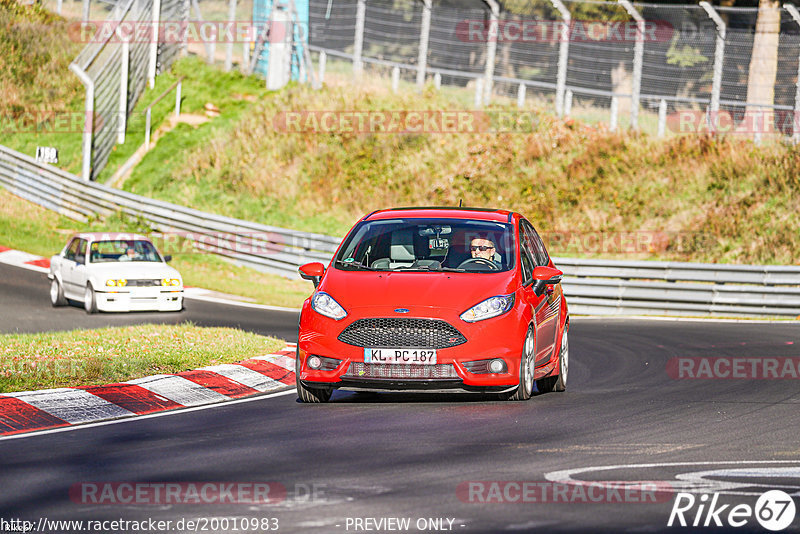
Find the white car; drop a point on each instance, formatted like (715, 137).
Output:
(114, 272)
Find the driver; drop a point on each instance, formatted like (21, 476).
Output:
(483, 248)
(130, 254)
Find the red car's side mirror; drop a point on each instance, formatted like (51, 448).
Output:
(312, 271)
(545, 276)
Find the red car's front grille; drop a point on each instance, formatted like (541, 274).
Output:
(401, 371)
(384, 332)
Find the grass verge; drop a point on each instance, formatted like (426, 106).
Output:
(596, 193)
(110, 355)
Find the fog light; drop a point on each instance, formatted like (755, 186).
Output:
(497, 366)
(314, 362)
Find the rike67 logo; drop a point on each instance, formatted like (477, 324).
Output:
(774, 510)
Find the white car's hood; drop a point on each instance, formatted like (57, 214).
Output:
(132, 270)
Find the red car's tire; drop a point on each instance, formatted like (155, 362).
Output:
(309, 395)
(563, 364)
(559, 382)
(526, 368)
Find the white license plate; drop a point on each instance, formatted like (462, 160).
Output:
(400, 356)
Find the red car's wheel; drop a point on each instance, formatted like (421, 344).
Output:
(525, 388)
(310, 395)
(557, 383)
(563, 364)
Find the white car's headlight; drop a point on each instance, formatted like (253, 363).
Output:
(120, 282)
(324, 304)
(491, 307)
(170, 282)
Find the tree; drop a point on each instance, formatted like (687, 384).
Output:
(764, 64)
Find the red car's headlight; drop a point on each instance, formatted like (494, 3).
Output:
(324, 304)
(491, 307)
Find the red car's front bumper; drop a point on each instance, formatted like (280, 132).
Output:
(499, 337)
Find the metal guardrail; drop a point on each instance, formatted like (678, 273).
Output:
(592, 286)
(267, 248)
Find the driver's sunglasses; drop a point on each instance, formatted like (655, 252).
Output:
(482, 248)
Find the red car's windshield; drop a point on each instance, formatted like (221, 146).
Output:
(429, 245)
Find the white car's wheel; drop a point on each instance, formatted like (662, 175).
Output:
(89, 301)
(57, 294)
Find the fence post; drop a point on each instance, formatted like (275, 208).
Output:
(323, 60)
(424, 34)
(638, 57)
(521, 95)
(795, 124)
(122, 110)
(147, 118)
(662, 117)
(612, 126)
(719, 57)
(151, 70)
(568, 103)
(208, 46)
(58, 7)
(478, 92)
(491, 49)
(246, 54)
(88, 121)
(178, 99)
(563, 55)
(86, 10)
(395, 78)
(229, 47)
(358, 44)
(185, 9)
(437, 81)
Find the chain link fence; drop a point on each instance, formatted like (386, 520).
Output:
(624, 64)
(116, 65)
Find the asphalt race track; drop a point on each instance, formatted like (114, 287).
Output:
(25, 307)
(352, 464)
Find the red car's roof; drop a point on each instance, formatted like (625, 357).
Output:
(481, 214)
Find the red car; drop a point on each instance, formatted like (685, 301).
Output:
(432, 299)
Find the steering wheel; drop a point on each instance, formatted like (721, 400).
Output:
(479, 261)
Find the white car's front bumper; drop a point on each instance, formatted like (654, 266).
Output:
(140, 299)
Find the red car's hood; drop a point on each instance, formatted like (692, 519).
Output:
(459, 291)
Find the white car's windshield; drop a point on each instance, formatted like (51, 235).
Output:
(429, 245)
(124, 250)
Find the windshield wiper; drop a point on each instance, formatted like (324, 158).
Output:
(429, 268)
(356, 264)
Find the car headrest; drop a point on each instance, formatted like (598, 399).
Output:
(402, 248)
